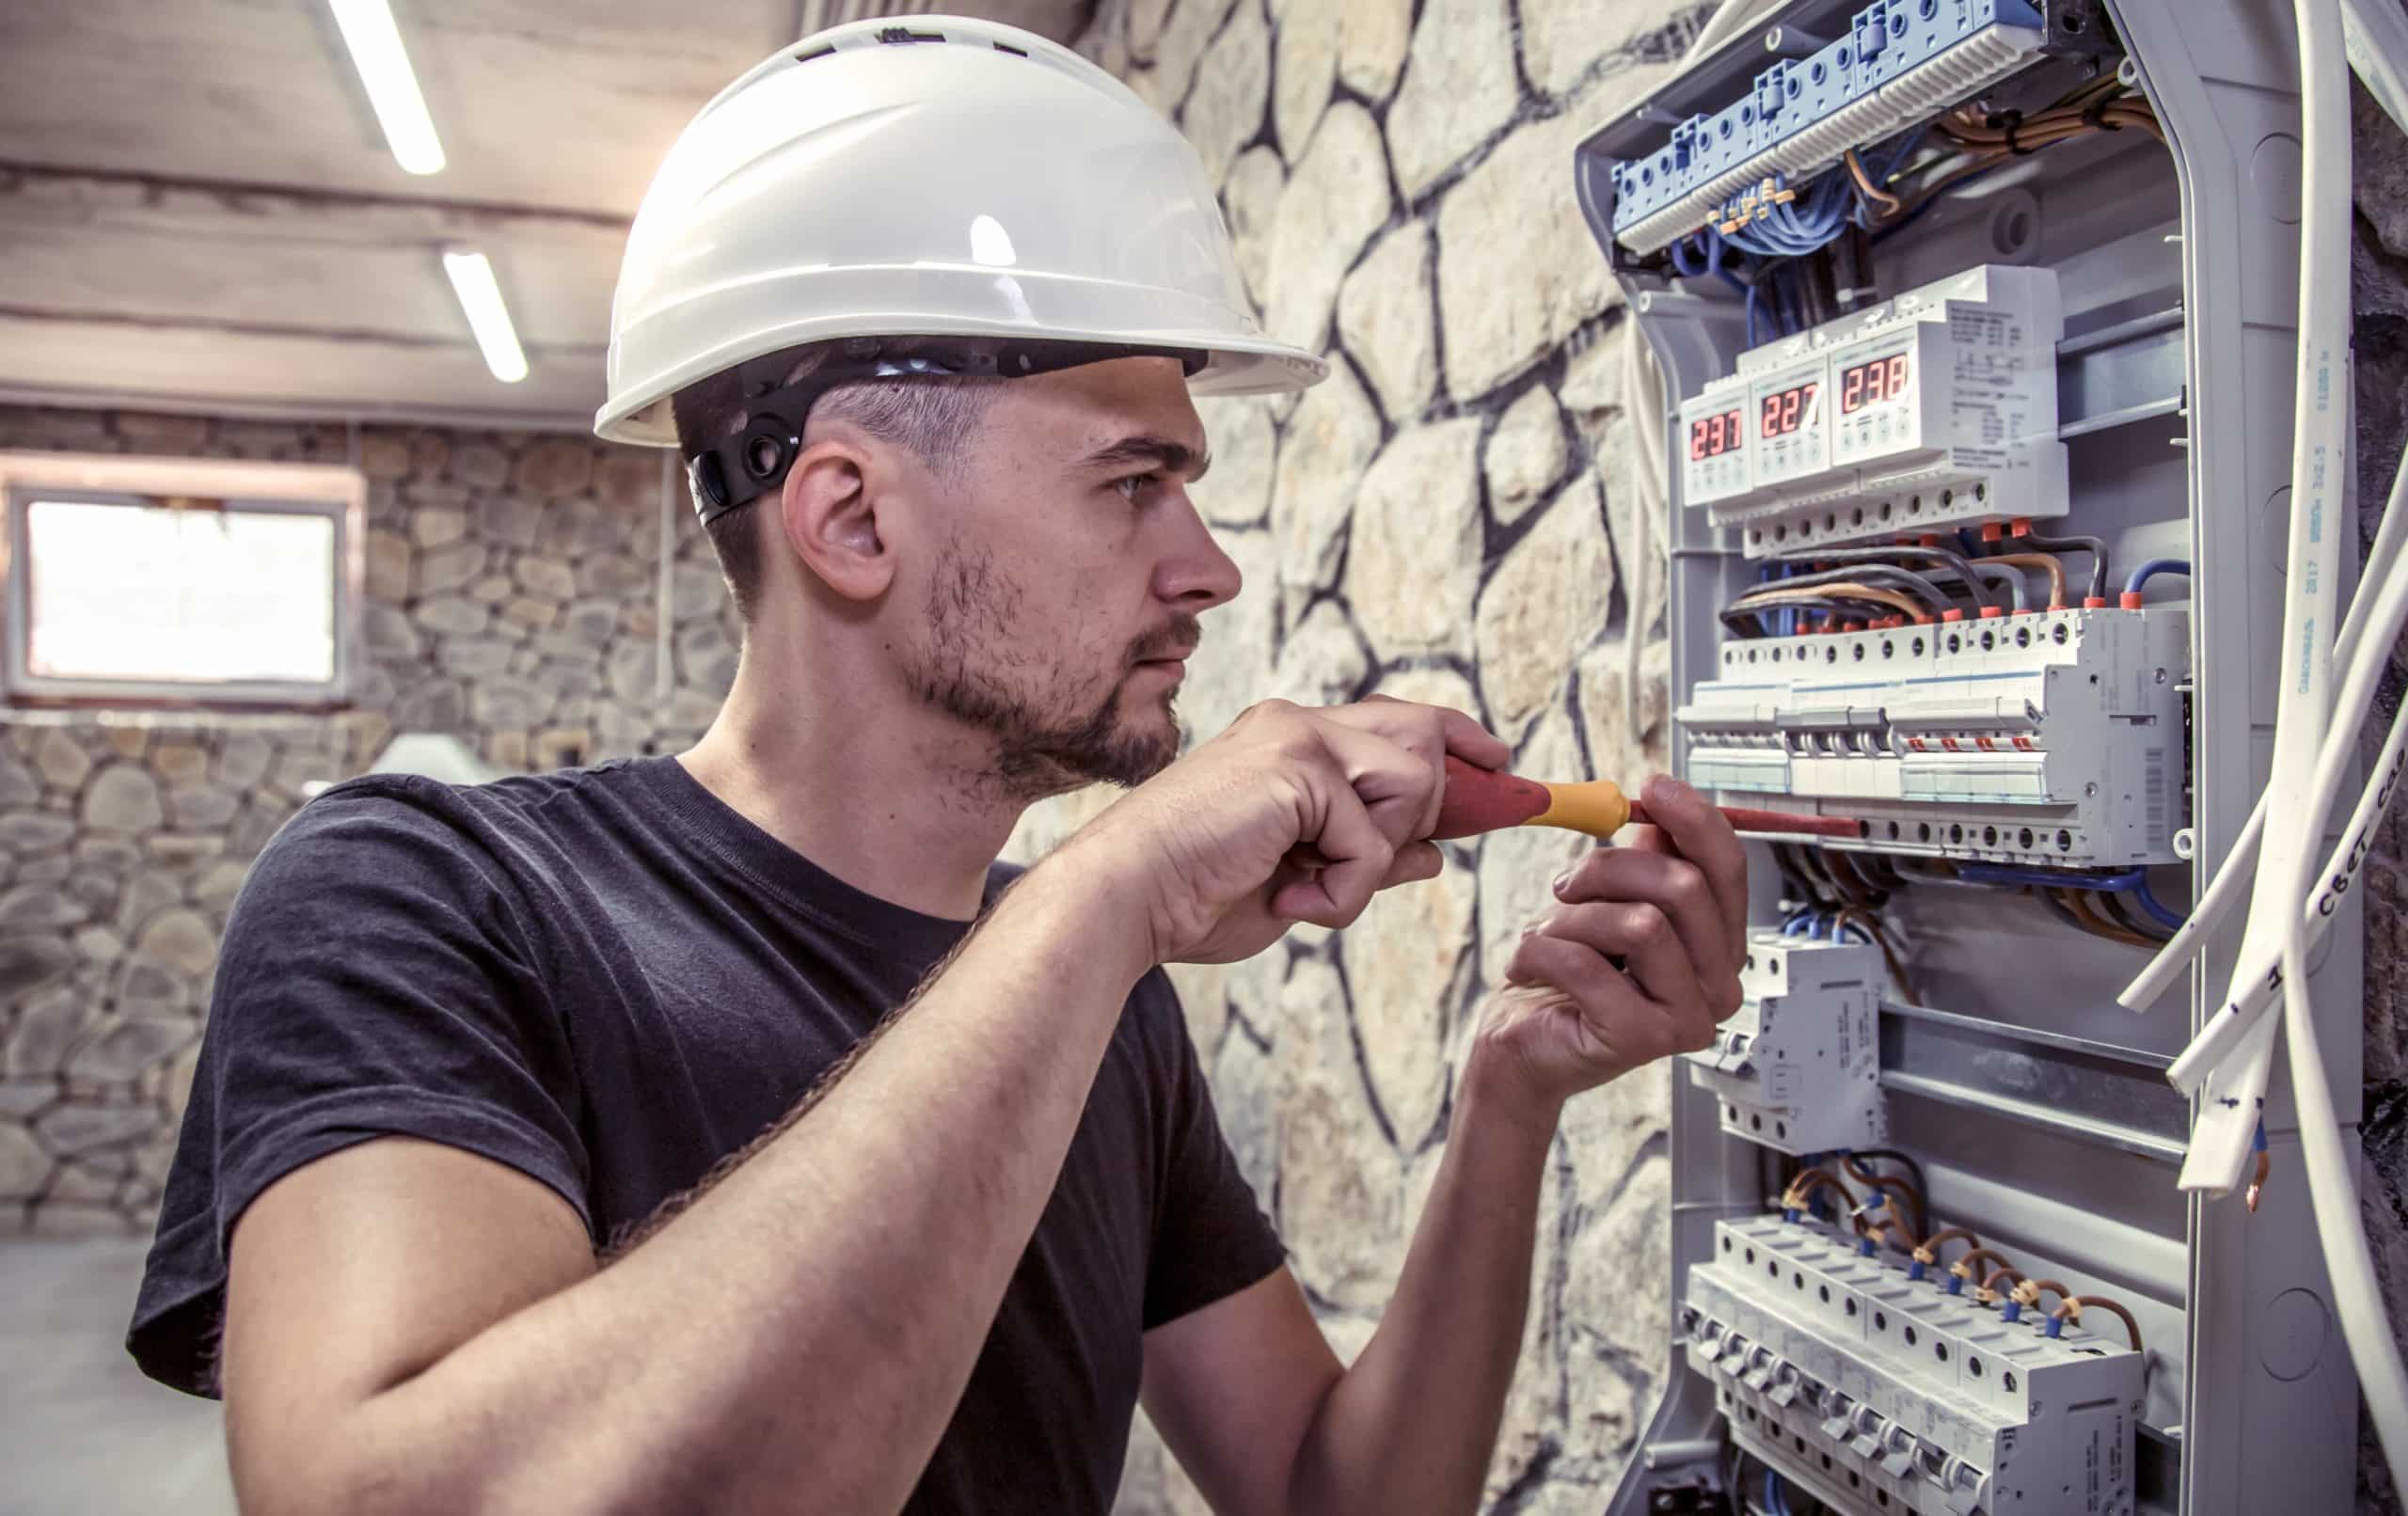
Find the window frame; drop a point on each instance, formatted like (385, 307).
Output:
(339, 494)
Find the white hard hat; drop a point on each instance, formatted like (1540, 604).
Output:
(928, 177)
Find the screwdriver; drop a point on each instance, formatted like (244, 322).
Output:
(1484, 799)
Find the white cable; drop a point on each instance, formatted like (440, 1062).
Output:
(2230, 1102)
(2225, 891)
(1732, 15)
(2376, 35)
(2256, 986)
(2357, 1294)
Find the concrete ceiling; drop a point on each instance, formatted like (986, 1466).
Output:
(197, 211)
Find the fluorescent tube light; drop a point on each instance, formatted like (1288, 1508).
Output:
(488, 318)
(383, 67)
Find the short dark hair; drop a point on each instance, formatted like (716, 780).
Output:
(933, 415)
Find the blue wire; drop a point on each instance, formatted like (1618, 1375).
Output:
(2154, 567)
(1776, 1500)
(2149, 902)
(2049, 878)
(1752, 312)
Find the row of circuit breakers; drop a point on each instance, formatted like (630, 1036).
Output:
(2050, 736)
(1871, 1378)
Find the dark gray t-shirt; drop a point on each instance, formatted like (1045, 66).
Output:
(608, 980)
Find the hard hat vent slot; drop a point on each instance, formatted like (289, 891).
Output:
(904, 34)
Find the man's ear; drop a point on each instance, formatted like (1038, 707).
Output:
(830, 521)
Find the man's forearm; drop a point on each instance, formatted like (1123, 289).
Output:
(798, 1337)
(1413, 1424)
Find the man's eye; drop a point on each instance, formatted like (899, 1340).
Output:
(1135, 485)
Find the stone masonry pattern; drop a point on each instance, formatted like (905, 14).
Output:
(512, 598)
(1443, 519)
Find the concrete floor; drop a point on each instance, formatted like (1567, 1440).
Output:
(80, 1429)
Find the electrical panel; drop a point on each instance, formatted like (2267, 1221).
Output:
(1971, 316)
(1927, 413)
(1893, 62)
(1797, 1068)
(1874, 1389)
(2049, 739)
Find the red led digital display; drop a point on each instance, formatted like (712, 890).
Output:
(1711, 436)
(1784, 411)
(1871, 382)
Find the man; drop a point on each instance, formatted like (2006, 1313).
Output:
(554, 1146)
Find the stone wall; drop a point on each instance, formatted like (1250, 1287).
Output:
(512, 598)
(1446, 519)
(1434, 522)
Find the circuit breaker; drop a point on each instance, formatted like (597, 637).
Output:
(2050, 738)
(1973, 316)
(1871, 1387)
(1797, 1068)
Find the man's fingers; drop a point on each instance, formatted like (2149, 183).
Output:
(1688, 825)
(1625, 1027)
(1680, 890)
(1359, 855)
(1429, 730)
(1397, 772)
(1415, 861)
(1645, 938)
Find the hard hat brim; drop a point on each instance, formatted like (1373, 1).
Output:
(1234, 364)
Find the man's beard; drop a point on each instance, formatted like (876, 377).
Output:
(971, 669)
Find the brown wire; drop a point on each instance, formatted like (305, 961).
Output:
(1893, 1231)
(2071, 1310)
(1882, 1181)
(1989, 146)
(2039, 1285)
(1807, 1181)
(1861, 892)
(1889, 204)
(1971, 1262)
(1989, 1285)
(2079, 903)
(1931, 1244)
(2050, 561)
(1892, 598)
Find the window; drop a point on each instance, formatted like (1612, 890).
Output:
(185, 582)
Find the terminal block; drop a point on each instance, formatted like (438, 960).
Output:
(1874, 1390)
(1797, 1067)
(1899, 62)
(2053, 738)
(1931, 411)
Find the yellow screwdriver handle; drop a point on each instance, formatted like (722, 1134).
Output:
(1595, 806)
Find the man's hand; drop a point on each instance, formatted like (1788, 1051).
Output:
(1640, 961)
(1292, 814)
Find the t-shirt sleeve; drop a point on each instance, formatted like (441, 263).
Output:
(1210, 1237)
(377, 978)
